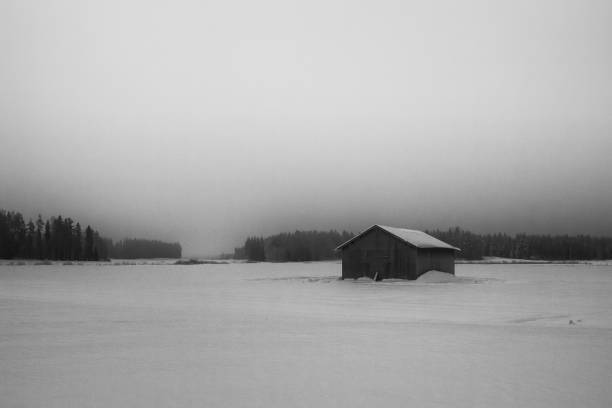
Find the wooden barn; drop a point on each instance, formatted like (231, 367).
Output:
(382, 252)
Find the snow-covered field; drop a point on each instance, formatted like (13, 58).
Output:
(287, 335)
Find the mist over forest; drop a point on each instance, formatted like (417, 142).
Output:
(62, 238)
(317, 245)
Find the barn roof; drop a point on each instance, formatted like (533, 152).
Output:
(415, 238)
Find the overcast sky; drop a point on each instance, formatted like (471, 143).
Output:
(207, 121)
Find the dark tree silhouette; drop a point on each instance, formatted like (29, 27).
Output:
(89, 244)
(48, 247)
(39, 240)
(143, 248)
(524, 246)
(296, 246)
(254, 249)
(78, 246)
(60, 238)
(29, 242)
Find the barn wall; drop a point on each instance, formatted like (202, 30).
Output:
(411, 270)
(378, 252)
(435, 259)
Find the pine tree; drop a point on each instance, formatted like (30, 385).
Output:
(68, 239)
(89, 242)
(78, 245)
(57, 237)
(18, 231)
(48, 247)
(29, 241)
(4, 235)
(39, 240)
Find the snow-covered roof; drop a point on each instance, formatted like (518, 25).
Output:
(415, 238)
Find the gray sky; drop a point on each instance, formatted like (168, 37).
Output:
(205, 122)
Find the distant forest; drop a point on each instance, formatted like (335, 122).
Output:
(523, 246)
(295, 246)
(315, 246)
(59, 238)
(144, 248)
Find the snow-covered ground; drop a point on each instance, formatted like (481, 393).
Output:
(287, 335)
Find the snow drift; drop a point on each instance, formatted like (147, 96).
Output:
(443, 277)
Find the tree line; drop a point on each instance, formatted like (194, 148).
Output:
(298, 246)
(59, 238)
(56, 238)
(144, 248)
(302, 246)
(526, 246)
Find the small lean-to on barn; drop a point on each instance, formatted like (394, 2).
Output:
(382, 252)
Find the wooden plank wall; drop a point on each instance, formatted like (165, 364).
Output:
(379, 252)
(437, 259)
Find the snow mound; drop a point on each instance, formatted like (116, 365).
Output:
(442, 277)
